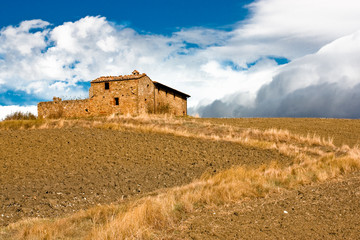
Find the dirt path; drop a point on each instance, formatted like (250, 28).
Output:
(325, 211)
(52, 172)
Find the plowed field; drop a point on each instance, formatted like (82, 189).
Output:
(51, 172)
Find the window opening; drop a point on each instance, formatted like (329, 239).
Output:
(107, 86)
(116, 101)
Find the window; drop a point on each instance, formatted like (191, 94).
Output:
(116, 101)
(107, 86)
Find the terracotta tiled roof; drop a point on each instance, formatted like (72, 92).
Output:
(135, 75)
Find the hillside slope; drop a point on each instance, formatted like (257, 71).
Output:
(178, 178)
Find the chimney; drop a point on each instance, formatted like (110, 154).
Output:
(135, 72)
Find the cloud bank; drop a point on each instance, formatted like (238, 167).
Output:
(289, 58)
(324, 84)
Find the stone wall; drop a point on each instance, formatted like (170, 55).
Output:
(167, 101)
(146, 97)
(68, 108)
(102, 101)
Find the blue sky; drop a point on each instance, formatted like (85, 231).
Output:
(157, 16)
(263, 58)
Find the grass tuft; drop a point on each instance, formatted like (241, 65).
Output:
(20, 116)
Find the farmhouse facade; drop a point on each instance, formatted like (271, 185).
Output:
(125, 94)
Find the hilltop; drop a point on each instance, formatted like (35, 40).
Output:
(168, 177)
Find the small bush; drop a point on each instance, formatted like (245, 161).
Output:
(20, 116)
(163, 108)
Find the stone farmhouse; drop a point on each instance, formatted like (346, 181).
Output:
(125, 94)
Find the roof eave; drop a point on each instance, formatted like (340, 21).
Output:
(117, 78)
(164, 86)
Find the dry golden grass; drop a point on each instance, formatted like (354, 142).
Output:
(316, 160)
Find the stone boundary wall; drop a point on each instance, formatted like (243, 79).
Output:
(67, 108)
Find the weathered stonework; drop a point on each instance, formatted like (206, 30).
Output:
(129, 94)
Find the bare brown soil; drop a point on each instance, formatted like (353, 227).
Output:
(52, 172)
(324, 211)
